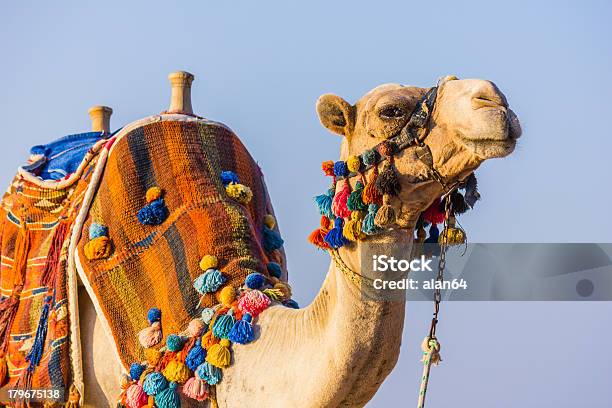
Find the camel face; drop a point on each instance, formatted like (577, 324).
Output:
(470, 122)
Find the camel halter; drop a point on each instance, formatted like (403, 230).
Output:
(351, 205)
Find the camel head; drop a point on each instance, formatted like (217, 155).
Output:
(470, 122)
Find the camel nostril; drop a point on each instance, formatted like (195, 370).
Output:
(487, 101)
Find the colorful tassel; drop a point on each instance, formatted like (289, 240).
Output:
(207, 315)
(269, 221)
(176, 371)
(208, 262)
(471, 190)
(339, 208)
(324, 203)
(154, 213)
(370, 192)
(152, 356)
(317, 237)
(174, 343)
(340, 169)
(219, 354)
(226, 295)
(370, 157)
(152, 335)
(196, 327)
(154, 383)
(136, 371)
(255, 280)
(354, 164)
(196, 355)
(239, 192)
(98, 248)
(209, 373)
(355, 199)
(434, 214)
(352, 229)
(271, 239)
(153, 194)
(135, 397)
(458, 203)
(208, 340)
(434, 235)
(209, 281)
(169, 397)
(242, 332)
(387, 182)
(196, 389)
(385, 216)
(228, 177)
(274, 269)
(97, 230)
(223, 325)
(368, 226)
(253, 302)
(334, 237)
(328, 168)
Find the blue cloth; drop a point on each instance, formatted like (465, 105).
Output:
(62, 156)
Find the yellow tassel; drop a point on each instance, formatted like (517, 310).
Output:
(269, 221)
(452, 234)
(274, 294)
(152, 356)
(219, 354)
(153, 194)
(352, 228)
(226, 295)
(239, 192)
(209, 339)
(176, 371)
(98, 248)
(353, 164)
(284, 288)
(208, 262)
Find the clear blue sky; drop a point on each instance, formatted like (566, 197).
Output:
(259, 68)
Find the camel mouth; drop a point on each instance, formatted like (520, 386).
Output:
(491, 148)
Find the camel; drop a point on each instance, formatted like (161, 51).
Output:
(337, 351)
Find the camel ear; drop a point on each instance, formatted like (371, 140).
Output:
(336, 114)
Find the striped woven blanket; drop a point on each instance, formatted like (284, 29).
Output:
(37, 291)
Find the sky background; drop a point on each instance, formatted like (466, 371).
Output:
(260, 67)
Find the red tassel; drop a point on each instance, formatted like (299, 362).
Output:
(433, 213)
(53, 257)
(340, 200)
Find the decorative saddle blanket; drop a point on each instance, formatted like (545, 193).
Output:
(36, 224)
(179, 252)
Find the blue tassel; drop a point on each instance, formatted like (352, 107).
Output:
(196, 356)
(434, 235)
(368, 226)
(168, 398)
(153, 315)
(228, 177)
(209, 373)
(341, 169)
(254, 280)
(271, 239)
(334, 237)
(324, 203)
(242, 332)
(275, 269)
(174, 343)
(209, 281)
(153, 213)
(97, 230)
(223, 325)
(36, 351)
(154, 383)
(291, 303)
(136, 371)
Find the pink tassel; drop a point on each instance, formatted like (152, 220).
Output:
(339, 207)
(195, 328)
(135, 397)
(196, 388)
(150, 336)
(253, 302)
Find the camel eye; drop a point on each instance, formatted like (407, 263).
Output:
(391, 112)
